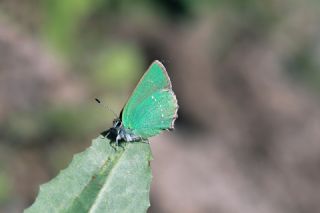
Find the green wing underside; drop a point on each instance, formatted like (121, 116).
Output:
(152, 106)
(150, 121)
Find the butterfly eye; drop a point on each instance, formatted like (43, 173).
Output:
(117, 123)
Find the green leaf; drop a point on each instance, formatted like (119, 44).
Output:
(100, 179)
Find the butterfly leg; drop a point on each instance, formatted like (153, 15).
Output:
(111, 144)
(118, 141)
(105, 134)
(118, 138)
(114, 147)
(121, 145)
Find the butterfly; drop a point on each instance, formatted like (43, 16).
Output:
(151, 109)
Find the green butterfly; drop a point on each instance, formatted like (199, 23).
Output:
(151, 108)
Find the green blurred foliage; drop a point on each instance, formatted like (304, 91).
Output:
(118, 63)
(50, 124)
(62, 19)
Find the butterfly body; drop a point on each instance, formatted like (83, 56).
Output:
(151, 109)
(119, 133)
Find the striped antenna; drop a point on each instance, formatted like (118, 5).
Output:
(106, 106)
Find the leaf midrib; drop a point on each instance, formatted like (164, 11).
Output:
(115, 164)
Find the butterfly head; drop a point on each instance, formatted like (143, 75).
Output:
(117, 123)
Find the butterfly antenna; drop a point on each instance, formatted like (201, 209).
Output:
(106, 106)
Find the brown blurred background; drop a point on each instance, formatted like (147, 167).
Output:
(246, 74)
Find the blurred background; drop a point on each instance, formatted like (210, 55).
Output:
(246, 74)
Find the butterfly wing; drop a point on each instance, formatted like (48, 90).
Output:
(152, 106)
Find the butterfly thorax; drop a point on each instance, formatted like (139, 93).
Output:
(118, 133)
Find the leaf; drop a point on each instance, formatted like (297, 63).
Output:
(100, 179)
